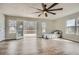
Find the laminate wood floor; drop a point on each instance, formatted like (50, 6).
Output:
(39, 46)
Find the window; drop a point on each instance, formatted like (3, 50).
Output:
(77, 26)
(12, 26)
(71, 26)
(43, 27)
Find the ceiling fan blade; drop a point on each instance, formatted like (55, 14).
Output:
(56, 9)
(52, 13)
(46, 15)
(39, 15)
(44, 6)
(36, 12)
(36, 8)
(52, 5)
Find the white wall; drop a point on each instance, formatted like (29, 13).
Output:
(2, 27)
(50, 26)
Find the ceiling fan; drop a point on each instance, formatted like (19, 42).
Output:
(45, 10)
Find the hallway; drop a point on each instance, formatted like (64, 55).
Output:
(38, 46)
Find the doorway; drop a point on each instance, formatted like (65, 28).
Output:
(30, 29)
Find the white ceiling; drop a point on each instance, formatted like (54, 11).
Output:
(25, 10)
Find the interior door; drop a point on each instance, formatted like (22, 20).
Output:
(19, 30)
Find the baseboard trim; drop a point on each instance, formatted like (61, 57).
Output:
(70, 40)
(10, 39)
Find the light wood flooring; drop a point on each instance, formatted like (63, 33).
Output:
(39, 46)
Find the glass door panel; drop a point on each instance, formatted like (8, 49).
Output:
(19, 29)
